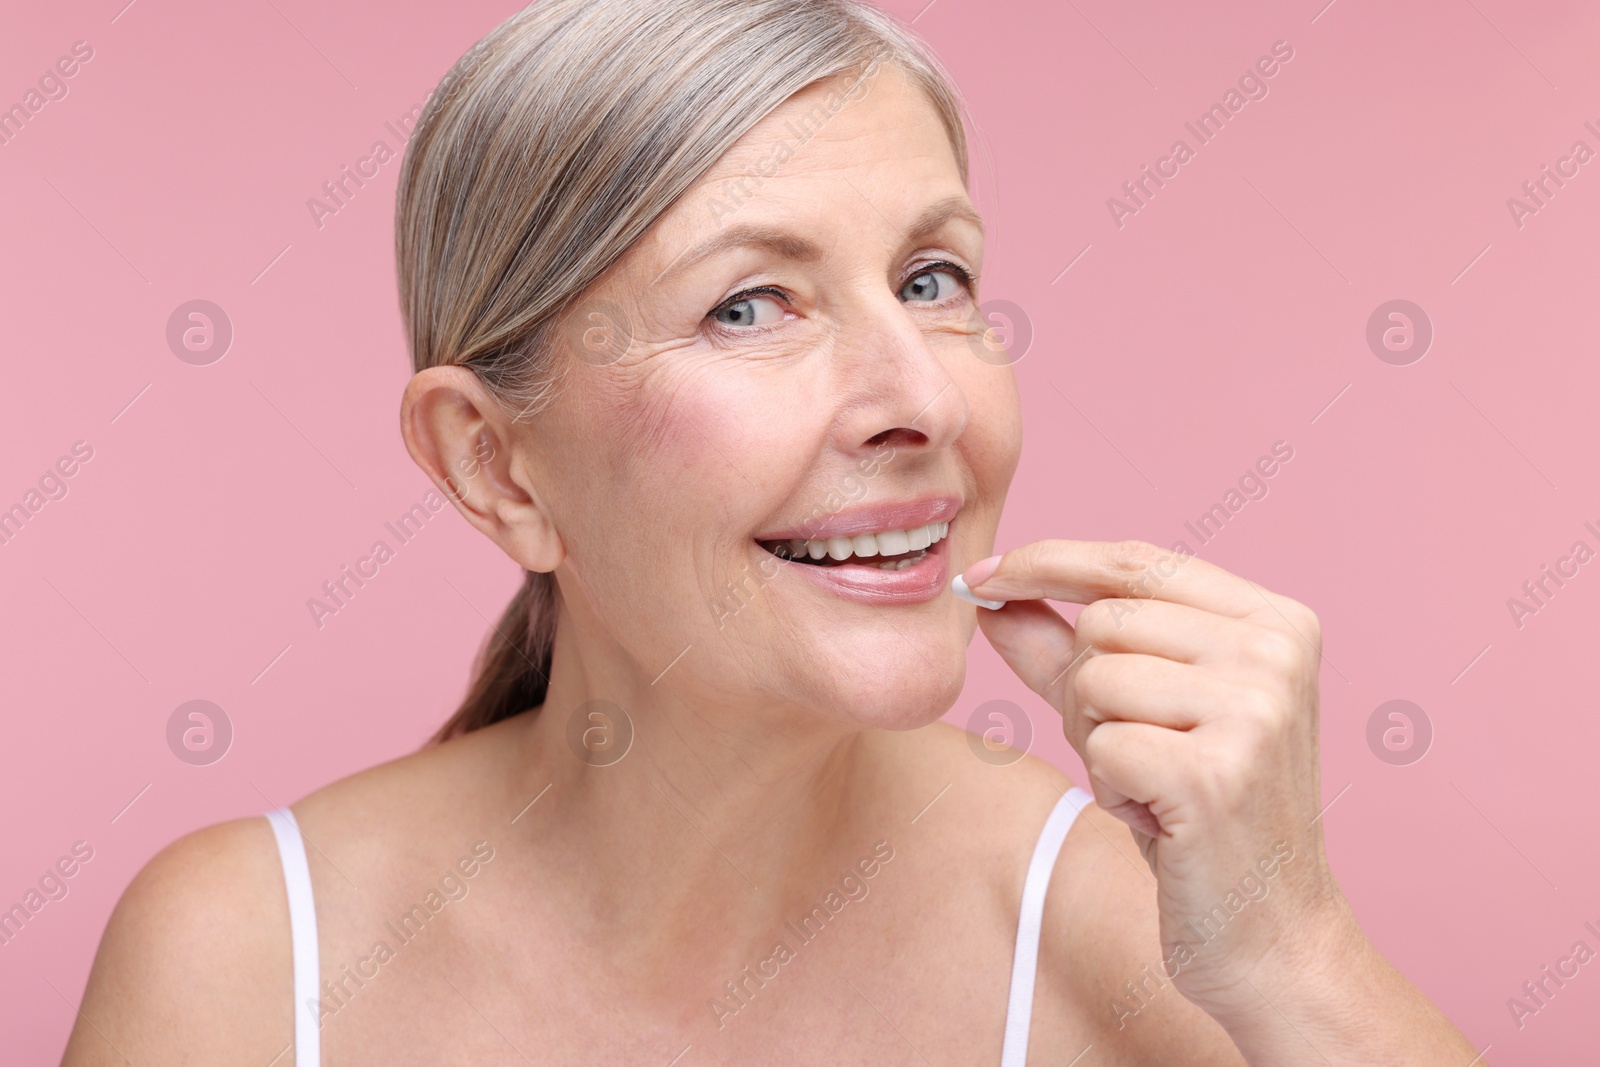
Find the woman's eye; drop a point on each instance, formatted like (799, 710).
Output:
(931, 286)
(753, 310)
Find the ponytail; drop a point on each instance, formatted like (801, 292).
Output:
(512, 671)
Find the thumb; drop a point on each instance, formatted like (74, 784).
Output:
(1036, 643)
(1041, 647)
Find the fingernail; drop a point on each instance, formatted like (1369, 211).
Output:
(958, 586)
(981, 571)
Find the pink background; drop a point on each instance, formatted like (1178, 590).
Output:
(1224, 316)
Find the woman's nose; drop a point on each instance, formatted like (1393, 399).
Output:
(905, 394)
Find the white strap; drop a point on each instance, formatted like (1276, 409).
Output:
(1024, 965)
(303, 937)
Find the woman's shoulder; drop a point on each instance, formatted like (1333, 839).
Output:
(1099, 966)
(991, 803)
(195, 960)
(995, 784)
(404, 813)
(192, 952)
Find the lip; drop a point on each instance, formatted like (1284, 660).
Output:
(921, 582)
(862, 582)
(872, 518)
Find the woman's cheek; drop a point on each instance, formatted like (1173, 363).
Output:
(1011, 418)
(695, 454)
(657, 418)
(994, 407)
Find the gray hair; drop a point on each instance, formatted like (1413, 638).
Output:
(549, 148)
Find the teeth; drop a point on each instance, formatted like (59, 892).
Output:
(894, 542)
(866, 546)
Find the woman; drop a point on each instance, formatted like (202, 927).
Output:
(691, 293)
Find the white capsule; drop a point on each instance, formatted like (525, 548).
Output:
(958, 586)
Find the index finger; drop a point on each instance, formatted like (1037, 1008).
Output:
(1082, 572)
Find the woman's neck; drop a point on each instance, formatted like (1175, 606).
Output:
(709, 830)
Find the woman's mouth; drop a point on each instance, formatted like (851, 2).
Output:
(889, 550)
(887, 553)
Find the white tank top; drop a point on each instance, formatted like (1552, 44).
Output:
(1024, 962)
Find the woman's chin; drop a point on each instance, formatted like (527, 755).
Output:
(907, 694)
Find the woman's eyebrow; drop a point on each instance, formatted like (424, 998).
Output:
(752, 235)
(803, 250)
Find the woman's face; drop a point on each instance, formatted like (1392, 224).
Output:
(803, 361)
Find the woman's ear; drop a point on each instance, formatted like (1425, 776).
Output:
(460, 436)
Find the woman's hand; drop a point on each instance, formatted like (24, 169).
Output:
(1191, 695)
